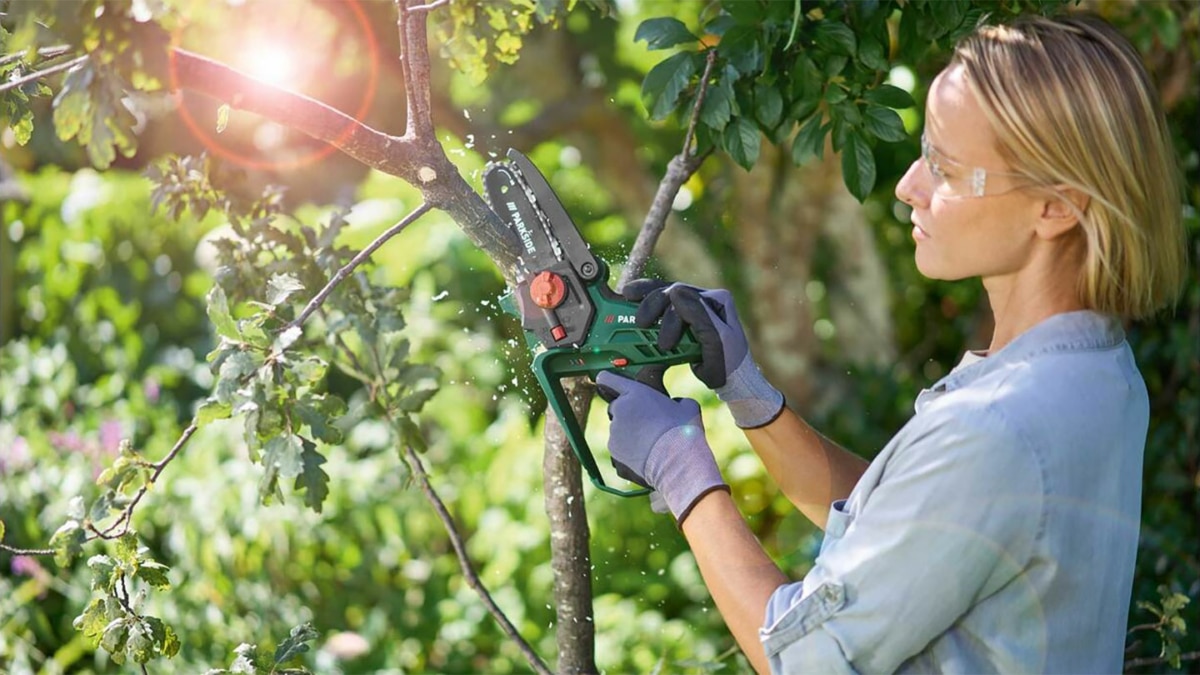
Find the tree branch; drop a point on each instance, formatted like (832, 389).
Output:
(378, 150)
(1158, 660)
(39, 74)
(414, 44)
(348, 268)
(26, 551)
(679, 170)
(44, 52)
(418, 160)
(126, 516)
(464, 561)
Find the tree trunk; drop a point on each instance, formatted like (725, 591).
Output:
(570, 538)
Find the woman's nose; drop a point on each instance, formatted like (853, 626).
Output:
(913, 188)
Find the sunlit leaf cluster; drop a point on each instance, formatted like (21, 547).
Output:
(799, 73)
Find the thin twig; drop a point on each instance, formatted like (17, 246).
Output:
(39, 74)
(700, 96)
(126, 517)
(430, 7)
(413, 461)
(679, 170)
(345, 271)
(44, 52)
(468, 569)
(27, 551)
(1158, 660)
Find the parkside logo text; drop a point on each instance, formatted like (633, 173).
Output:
(619, 318)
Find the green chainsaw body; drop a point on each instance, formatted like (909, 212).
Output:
(613, 343)
(574, 323)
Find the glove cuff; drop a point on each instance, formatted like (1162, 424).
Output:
(751, 399)
(682, 467)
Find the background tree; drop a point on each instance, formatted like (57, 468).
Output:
(108, 327)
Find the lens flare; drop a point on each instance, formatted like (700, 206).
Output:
(274, 65)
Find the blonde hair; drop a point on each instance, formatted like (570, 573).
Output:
(1072, 105)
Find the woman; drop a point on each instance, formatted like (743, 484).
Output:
(997, 531)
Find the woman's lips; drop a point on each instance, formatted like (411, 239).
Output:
(919, 233)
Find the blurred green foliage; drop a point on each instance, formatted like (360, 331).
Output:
(111, 332)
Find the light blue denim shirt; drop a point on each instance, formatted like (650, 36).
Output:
(996, 532)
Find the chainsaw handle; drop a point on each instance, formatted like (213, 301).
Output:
(629, 358)
(557, 396)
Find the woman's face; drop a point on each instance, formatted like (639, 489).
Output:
(970, 219)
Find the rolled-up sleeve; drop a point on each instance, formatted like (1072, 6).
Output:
(951, 519)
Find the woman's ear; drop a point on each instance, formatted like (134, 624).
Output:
(1062, 209)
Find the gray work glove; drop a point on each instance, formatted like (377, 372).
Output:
(658, 442)
(726, 365)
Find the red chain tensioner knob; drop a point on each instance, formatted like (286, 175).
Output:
(547, 290)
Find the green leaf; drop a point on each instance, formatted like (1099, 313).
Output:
(414, 401)
(1, 530)
(809, 141)
(127, 550)
(309, 370)
(871, 54)
(741, 47)
(295, 644)
(67, 542)
(72, 105)
(281, 286)
(836, 37)
(665, 82)
(288, 338)
(718, 104)
(104, 573)
(218, 313)
(93, 619)
(113, 640)
(233, 373)
(213, 410)
(742, 142)
(858, 166)
(23, 128)
(835, 94)
(282, 454)
(890, 96)
(768, 105)
(1174, 602)
(805, 79)
(140, 645)
(164, 637)
(885, 124)
(314, 481)
(154, 573)
(319, 421)
(246, 661)
(663, 32)
(410, 434)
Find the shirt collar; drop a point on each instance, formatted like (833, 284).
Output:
(1066, 332)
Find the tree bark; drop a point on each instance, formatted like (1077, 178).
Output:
(570, 538)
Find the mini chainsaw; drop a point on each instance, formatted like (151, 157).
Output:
(574, 323)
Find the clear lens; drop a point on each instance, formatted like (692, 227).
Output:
(950, 179)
